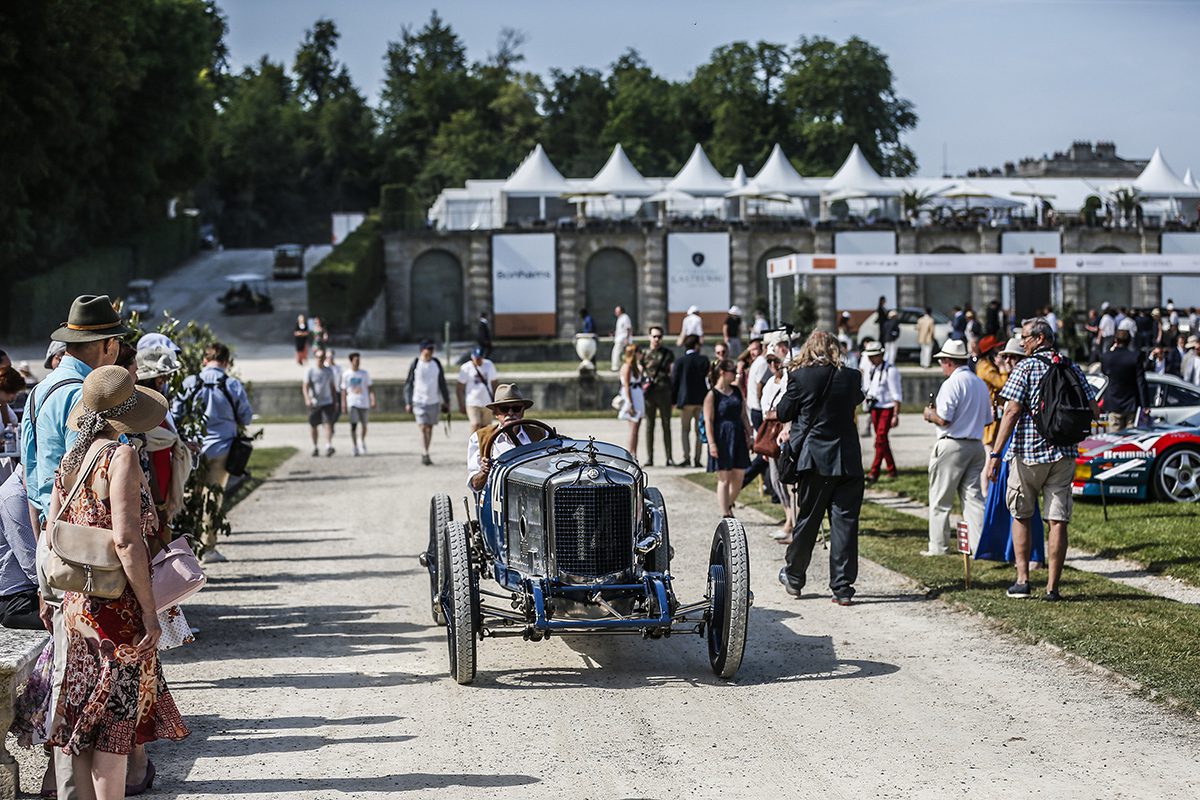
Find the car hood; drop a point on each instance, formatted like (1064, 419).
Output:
(1141, 438)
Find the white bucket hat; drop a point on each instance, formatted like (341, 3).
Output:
(1013, 348)
(872, 349)
(955, 349)
(155, 362)
(693, 309)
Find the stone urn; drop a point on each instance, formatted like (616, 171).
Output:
(585, 348)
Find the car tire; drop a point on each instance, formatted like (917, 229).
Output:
(659, 559)
(1182, 486)
(462, 610)
(728, 598)
(440, 515)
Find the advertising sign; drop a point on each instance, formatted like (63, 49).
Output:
(698, 275)
(524, 289)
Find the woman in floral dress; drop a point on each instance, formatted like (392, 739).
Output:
(113, 695)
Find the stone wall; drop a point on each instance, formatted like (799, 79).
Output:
(646, 247)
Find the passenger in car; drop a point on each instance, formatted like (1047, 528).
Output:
(508, 406)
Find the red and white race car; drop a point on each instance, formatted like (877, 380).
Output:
(1160, 463)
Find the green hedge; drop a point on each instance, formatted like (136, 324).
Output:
(39, 304)
(399, 208)
(345, 284)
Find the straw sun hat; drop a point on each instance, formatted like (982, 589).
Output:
(109, 394)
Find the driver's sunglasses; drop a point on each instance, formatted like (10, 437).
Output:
(656, 336)
(513, 409)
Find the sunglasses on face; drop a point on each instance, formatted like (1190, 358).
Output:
(509, 410)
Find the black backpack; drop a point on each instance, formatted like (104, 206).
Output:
(1062, 411)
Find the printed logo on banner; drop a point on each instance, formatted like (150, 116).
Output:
(698, 259)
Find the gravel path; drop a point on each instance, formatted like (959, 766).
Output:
(317, 674)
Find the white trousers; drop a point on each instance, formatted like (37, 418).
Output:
(618, 353)
(927, 355)
(889, 352)
(955, 467)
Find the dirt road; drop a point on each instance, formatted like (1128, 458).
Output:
(319, 674)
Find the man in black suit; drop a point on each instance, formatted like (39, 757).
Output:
(689, 385)
(819, 401)
(1126, 391)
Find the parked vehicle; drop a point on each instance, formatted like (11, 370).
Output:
(577, 543)
(1160, 462)
(1172, 399)
(908, 347)
(208, 237)
(138, 298)
(248, 293)
(289, 261)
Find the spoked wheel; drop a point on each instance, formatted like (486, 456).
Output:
(1177, 476)
(460, 602)
(440, 515)
(728, 598)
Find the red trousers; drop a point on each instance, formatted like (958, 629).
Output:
(881, 421)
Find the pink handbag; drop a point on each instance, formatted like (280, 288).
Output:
(177, 574)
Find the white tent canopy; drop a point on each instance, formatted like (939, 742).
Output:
(619, 177)
(1159, 180)
(536, 177)
(857, 175)
(1189, 180)
(740, 180)
(699, 177)
(777, 176)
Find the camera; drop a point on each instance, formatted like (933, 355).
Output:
(932, 400)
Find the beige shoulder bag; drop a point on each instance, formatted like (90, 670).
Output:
(82, 558)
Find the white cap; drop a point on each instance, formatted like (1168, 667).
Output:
(156, 340)
(735, 311)
(693, 309)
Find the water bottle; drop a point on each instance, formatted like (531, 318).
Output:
(10, 439)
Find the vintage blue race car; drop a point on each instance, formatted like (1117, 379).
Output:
(1161, 462)
(575, 543)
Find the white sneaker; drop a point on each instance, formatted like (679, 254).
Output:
(362, 448)
(356, 451)
(213, 557)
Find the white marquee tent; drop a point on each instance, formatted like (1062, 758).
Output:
(1158, 180)
(699, 177)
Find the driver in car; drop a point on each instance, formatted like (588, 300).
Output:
(509, 406)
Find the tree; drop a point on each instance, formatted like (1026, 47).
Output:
(838, 95)
(108, 108)
(575, 106)
(643, 116)
(425, 82)
(736, 93)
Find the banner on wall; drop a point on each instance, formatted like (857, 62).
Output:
(524, 288)
(698, 275)
(983, 264)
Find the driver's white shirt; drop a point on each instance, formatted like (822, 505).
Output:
(500, 444)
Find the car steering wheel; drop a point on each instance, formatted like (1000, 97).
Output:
(509, 429)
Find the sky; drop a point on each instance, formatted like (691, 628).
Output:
(991, 81)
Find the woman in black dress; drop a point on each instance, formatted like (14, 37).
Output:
(300, 336)
(729, 434)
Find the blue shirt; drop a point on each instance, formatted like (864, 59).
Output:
(54, 438)
(589, 324)
(222, 419)
(17, 544)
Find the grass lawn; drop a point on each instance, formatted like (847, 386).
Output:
(1153, 640)
(1165, 537)
(512, 367)
(263, 462)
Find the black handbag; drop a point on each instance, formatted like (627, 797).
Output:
(789, 453)
(239, 455)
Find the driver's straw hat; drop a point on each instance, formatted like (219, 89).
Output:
(506, 394)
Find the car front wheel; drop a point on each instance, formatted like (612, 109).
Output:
(728, 598)
(1177, 475)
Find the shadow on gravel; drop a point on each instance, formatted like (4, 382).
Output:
(774, 654)
(275, 632)
(305, 787)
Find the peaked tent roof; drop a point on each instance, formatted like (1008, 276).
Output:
(618, 176)
(778, 176)
(699, 177)
(739, 177)
(857, 175)
(1159, 180)
(536, 177)
(1189, 180)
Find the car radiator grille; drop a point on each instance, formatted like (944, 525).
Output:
(593, 529)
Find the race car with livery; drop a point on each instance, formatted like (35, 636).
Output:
(1161, 462)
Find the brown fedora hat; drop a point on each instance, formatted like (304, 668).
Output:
(92, 318)
(125, 406)
(507, 393)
